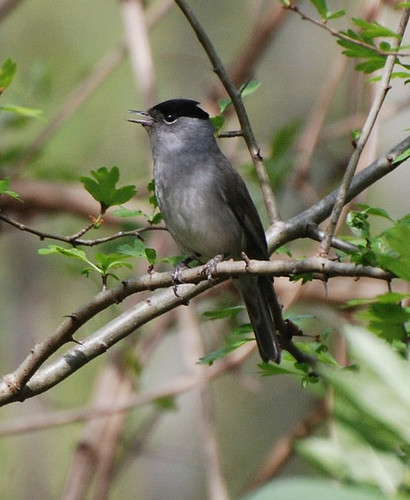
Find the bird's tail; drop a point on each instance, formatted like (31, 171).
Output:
(257, 292)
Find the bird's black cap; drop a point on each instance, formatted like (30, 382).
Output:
(180, 107)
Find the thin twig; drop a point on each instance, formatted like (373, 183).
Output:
(235, 95)
(74, 239)
(365, 133)
(342, 36)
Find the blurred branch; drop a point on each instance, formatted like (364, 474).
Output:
(139, 48)
(384, 87)
(308, 138)
(87, 87)
(193, 350)
(235, 95)
(264, 29)
(7, 6)
(93, 461)
(284, 448)
(175, 387)
(77, 97)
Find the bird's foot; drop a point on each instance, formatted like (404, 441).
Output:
(177, 273)
(210, 267)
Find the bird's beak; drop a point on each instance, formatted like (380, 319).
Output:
(143, 118)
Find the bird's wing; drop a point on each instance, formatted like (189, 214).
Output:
(240, 202)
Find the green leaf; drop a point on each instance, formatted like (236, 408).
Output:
(73, 253)
(223, 104)
(335, 15)
(107, 262)
(222, 353)
(310, 488)
(386, 316)
(379, 212)
(5, 189)
(138, 249)
(374, 29)
(321, 7)
(396, 258)
(402, 157)
(7, 72)
(23, 111)
(218, 122)
(370, 439)
(226, 312)
(249, 88)
(125, 212)
(246, 89)
(103, 187)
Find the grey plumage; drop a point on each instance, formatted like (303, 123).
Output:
(206, 205)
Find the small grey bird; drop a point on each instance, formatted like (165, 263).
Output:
(206, 205)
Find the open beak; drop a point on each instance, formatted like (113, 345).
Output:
(143, 118)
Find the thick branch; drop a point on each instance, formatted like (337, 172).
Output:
(283, 232)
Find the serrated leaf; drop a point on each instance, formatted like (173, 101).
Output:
(73, 253)
(379, 212)
(397, 259)
(102, 187)
(374, 29)
(138, 249)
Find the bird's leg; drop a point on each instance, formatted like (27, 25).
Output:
(177, 273)
(210, 267)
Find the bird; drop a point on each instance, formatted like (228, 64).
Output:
(206, 205)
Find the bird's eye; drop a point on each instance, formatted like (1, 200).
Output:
(170, 118)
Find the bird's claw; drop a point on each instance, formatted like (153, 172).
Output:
(210, 267)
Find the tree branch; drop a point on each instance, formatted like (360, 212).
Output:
(235, 95)
(364, 136)
(283, 232)
(28, 380)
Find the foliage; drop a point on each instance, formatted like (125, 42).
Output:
(370, 441)
(103, 187)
